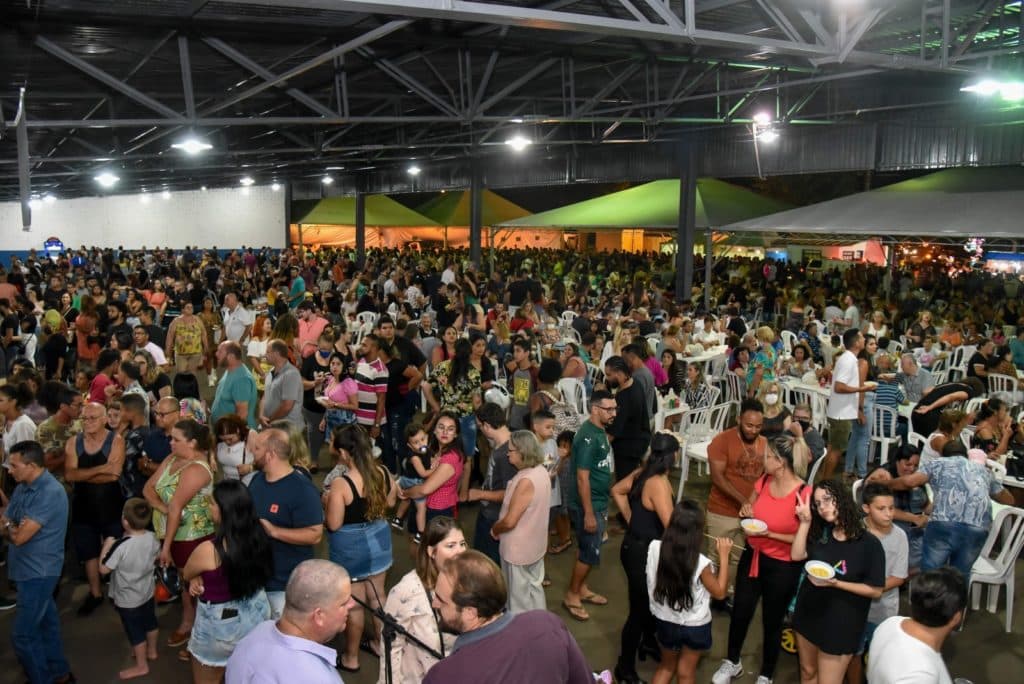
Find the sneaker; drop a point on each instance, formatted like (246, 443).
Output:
(763, 680)
(727, 672)
(7, 603)
(90, 604)
(417, 538)
(396, 522)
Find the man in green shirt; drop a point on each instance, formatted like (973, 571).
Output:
(236, 391)
(588, 500)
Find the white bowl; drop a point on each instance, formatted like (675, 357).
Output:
(753, 525)
(819, 570)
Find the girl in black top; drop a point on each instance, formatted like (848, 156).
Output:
(645, 499)
(830, 614)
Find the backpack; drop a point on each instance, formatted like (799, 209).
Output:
(566, 417)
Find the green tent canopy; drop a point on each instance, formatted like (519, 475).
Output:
(452, 209)
(655, 205)
(381, 211)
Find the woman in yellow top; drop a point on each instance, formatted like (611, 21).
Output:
(186, 341)
(179, 492)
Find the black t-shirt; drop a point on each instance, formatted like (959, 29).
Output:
(310, 368)
(54, 349)
(396, 381)
(517, 291)
(408, 352)
(10, 323)
(632, 424)
(162, 380)
(736, 326)
(157, 335)
(979, 359)
(926, 423)
(830, 618)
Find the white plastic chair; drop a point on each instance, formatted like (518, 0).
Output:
(883, 432)
(855, 491)
(1002, 386)
(1008, 530)
(718, 417)
(974, 405)
(574, 394)
(653, 342)
(568, 316)
(895, 347)
(718, 366)
(734, 389)
(789, 339)
(917, 439)
(502, 390)
(595, 374)
(367, 318)
(816, 467)
(818, 404)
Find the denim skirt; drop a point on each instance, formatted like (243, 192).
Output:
(220, 626)
(364, 549)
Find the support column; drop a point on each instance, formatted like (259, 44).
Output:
(360, 226)
(708, 265)
(687, 222)
(476, 210)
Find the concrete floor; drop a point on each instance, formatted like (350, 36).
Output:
(97, 650)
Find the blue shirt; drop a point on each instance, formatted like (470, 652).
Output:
(1017, 349)
(267, 656)
(157, 445)
(962, 490)
(236, 385)
(292, 502)
(45, 502)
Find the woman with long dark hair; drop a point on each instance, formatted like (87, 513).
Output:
(359, 538)
(993, 428)
(442, 486)
(830, 614)
(645, 499)
(458, 384)
(766, 572)
(409, 603)
(681, 583)
(226, 576)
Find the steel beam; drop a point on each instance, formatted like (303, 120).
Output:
(267, 75)
(348, 46)
(407, 80)
(987, 11)
(517, 84)
(186, 77)
(103, 77)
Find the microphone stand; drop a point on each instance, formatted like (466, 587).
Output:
(391, 629)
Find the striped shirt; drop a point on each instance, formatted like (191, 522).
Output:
(888, 394)
(372, 381)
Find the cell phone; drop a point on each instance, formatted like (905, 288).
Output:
(228, 613)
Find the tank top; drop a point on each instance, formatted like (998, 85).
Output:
(215, 585)
(780, 515)
(526, 543)
(196, 522)
(355, 512)
(96, 503)
(927, 452)
(644, 524)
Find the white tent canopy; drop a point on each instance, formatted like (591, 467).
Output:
(984, 202)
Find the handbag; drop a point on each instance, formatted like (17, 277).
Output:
(168, 585)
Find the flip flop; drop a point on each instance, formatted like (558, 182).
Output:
(556, 549)
(594, 599)
(367, 645)
(577, 611)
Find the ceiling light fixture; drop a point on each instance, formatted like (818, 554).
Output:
(247, 181)
(518, 142)
(166, 194)
(763, 119)
(107, 179)
(414, 170)
(203, 188)
(192, 146)
(327, 180)
(49, 199)
(769, 135)
(275, 187)
(1011, 90)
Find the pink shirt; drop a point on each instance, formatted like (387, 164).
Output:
(309, 333)
(447, 495)
(526, 543)
(97, 390)
(342, 391)
(780, 515)
(660, 376)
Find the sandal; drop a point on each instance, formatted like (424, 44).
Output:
(545, 582)
(366, 645)
(576, 611)
(184, 656)
(594, 599)
(556, 548)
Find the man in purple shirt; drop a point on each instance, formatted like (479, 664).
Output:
(318, 599)
(495, 647)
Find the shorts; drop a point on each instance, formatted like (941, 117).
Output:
(364, 549)
(181, 550)
(865, 640)
(406, 482)
(438, 512)
(138, 621)
(673, 637)
(839, 430)
(215, 636)
(589, 542)
(88, 537)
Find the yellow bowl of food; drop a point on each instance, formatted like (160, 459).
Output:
(819, 570)
(753, 525)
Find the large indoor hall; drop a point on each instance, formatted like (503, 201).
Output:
(477, 341)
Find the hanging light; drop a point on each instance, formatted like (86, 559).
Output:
(414, 170)
(192, 146)
(49, 199)
(247, 181)
(518, 142)
(166, 194)
(769, 135)
(275, 187)
(107, 179)
(327, 180)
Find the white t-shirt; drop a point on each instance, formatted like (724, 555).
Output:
(230, 457)
(844, 406)
(18, 431)
(257, 349)
(699, 613)
(898, 658)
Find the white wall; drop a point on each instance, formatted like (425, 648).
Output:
(226, 218)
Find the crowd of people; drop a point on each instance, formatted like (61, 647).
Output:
(199, 426)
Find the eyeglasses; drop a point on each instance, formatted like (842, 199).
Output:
(609, 409)
(165, 413)
(825, 501)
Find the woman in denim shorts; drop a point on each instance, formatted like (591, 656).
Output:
(226, 576)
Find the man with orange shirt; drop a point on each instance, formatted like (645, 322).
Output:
(736, 460)
(311, 325)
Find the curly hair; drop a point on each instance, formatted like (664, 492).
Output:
(848, 516)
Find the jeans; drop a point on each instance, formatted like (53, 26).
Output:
(36, 631)
(774, 586)
(482, 539)
(639, 627)
(952, 543)
(467, 428)
(860, 438)
(392, 433)
(314, 435)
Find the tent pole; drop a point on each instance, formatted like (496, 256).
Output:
(300, 239)
(492, 234)
(476, 211)
(687, 221)
(708, 245)
(360, 227)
